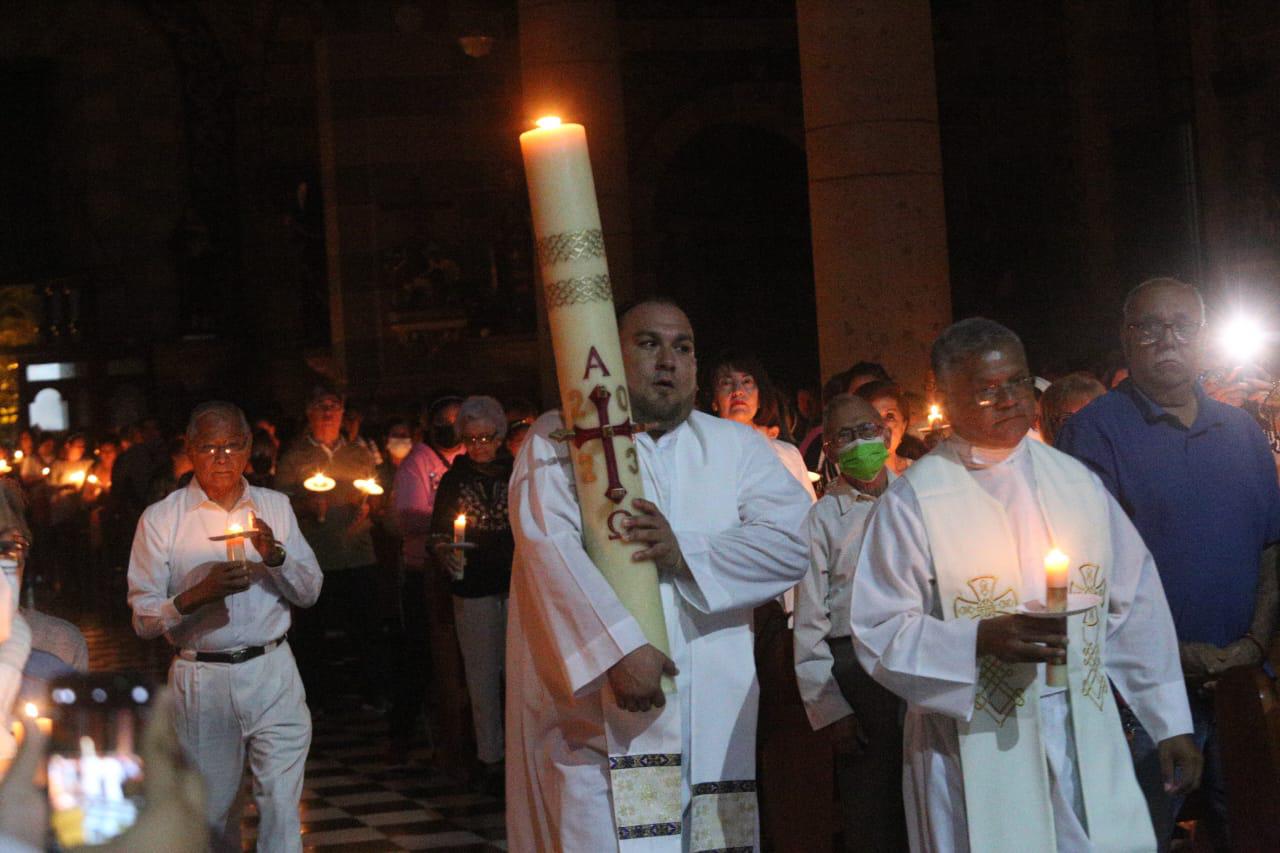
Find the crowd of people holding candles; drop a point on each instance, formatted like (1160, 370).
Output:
(681, 607)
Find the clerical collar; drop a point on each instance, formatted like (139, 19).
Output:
(976, 458)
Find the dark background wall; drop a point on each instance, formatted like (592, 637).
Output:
(155, 228)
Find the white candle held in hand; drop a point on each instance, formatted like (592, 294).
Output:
(460, 529)
(1057, 571)
(235, 545)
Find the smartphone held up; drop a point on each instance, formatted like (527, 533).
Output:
(94, 771)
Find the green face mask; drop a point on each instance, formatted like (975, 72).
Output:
(862, 459)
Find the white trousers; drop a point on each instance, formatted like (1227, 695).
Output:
(258, 708)
(482, 636)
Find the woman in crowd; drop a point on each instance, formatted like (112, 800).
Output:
(475, 486)
(739, 389)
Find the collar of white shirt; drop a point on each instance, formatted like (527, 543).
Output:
(195, 497)
(847, 496)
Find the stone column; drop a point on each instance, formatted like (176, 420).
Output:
(570, 59)
(875, 183)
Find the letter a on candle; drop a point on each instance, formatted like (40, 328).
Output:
(595, 362)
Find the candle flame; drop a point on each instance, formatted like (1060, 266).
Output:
(369, 486)
(461, 519)
(319, 483)
(93, 478)
(814, 476)
(935, 413)
(4, 466)
(17, 455)
(1056, 557)
(44, 472)
(548, 122)
(77, 477)
(234, 528)
(31, 710)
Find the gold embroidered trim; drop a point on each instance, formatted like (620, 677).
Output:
(573, 291)
(985, 603)
(996, 694)
(571, 246)
(1095, 684)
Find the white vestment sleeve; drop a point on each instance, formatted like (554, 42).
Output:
(589, 627)
(760, 558)
(823, 701)
(899, 634)
(1142, 648)
(154, 612)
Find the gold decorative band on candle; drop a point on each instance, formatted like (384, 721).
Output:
(574, 291)
(571, 246)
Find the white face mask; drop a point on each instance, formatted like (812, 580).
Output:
(398, 448)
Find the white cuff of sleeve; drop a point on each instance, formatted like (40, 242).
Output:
(591, 661)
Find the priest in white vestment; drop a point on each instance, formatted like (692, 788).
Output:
(995, 758)
(724, 525)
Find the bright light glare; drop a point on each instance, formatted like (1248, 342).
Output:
(1243, 339)
(31, 710)
(548, 121)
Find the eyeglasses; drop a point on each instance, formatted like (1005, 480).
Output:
(480, 440)
(1010, 390)
(865, 431)
(213, 451)
(327, 406)
(1151, 331)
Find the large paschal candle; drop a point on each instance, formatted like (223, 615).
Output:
(593, 384)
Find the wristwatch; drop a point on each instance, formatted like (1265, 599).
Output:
(275, 557)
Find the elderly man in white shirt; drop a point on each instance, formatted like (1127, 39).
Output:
(841, 700)
(234, 678)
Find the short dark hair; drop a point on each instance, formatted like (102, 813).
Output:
(625, 308)
(962, 340)
(868, 368)
(873, 391)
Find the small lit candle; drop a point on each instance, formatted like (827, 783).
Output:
(460, 529)
(92, 479)
(17, 455)
(1057, 569)
(318, 482)
(44, 472)
(935, 416)
(76, 478)
(235, 545)
(4, 466)
(369, 487)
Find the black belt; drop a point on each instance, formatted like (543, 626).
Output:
(236, 656)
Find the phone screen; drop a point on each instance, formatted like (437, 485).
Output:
(94, 771)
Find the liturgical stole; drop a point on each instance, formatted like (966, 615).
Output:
(1006, 777)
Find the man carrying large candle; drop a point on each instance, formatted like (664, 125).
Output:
(998, 757)
(724, 529)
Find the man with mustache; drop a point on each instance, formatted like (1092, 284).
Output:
(723, 524)
(1196, 477)
(1000, 757)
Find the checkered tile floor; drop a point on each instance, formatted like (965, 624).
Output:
(354, 800)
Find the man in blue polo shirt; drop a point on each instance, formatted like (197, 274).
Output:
(1198, 480)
